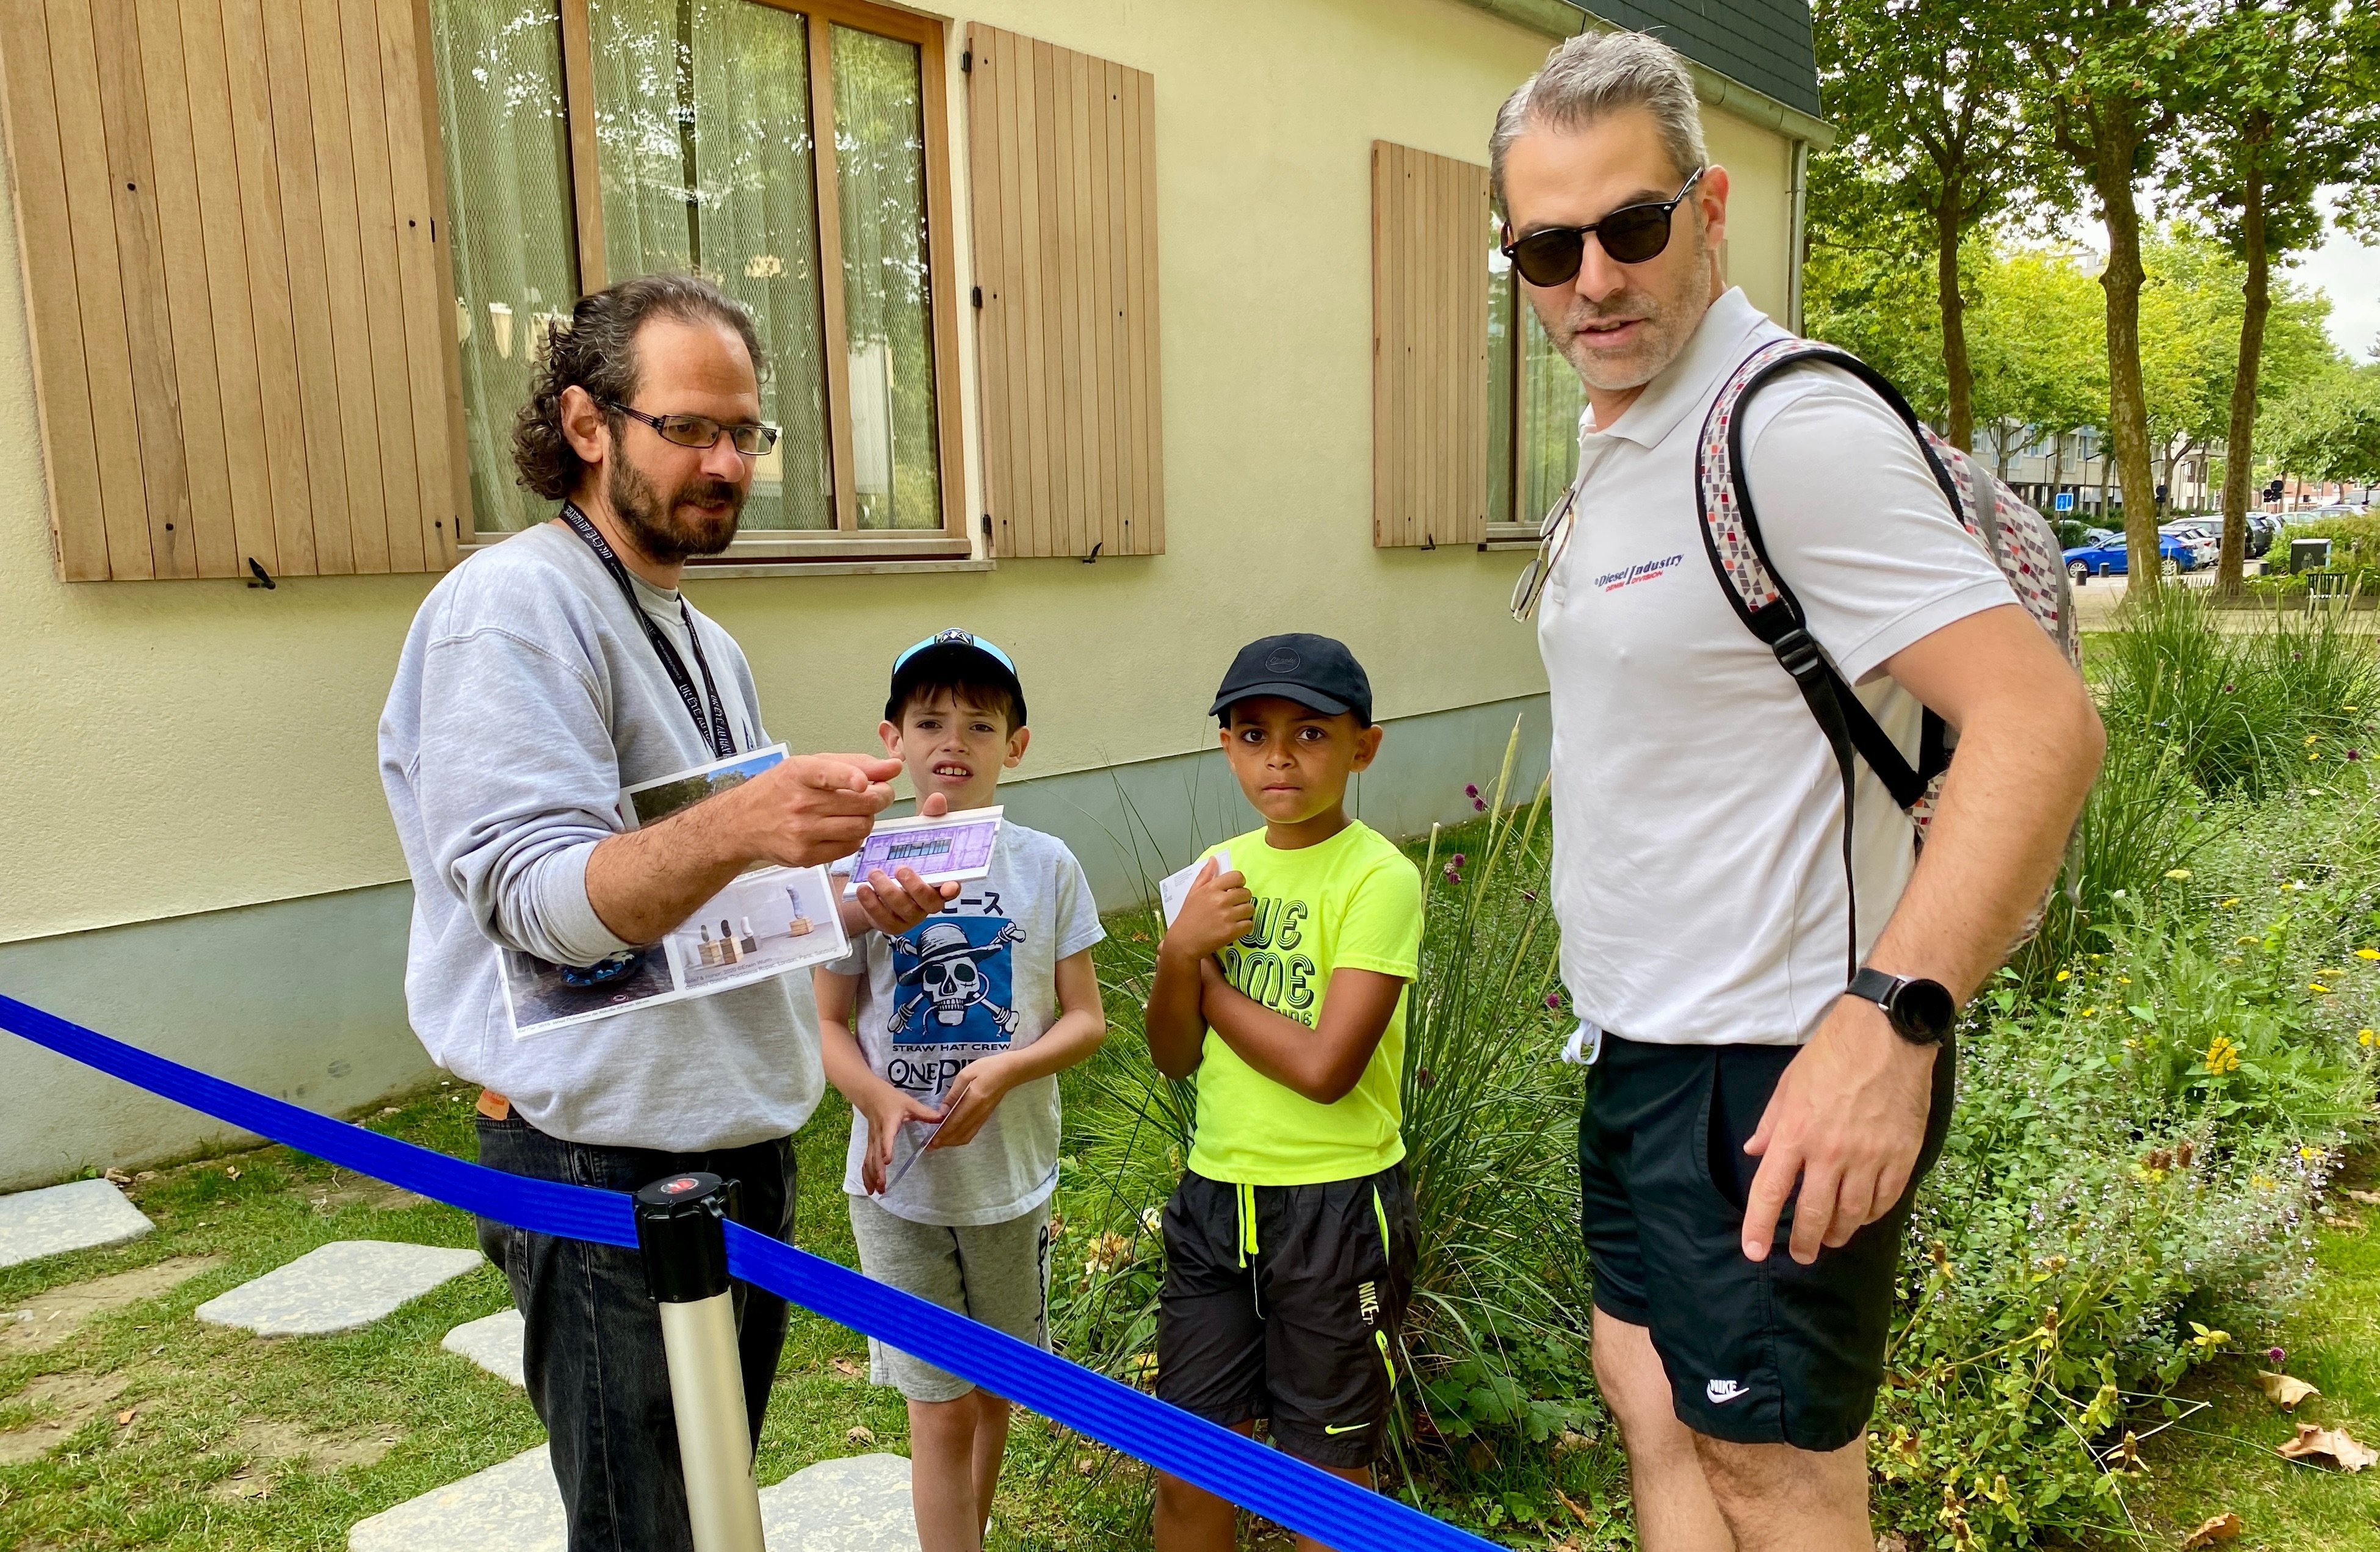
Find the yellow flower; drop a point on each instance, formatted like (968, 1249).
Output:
(2177, 873)
(2227, 905)
(2312, 738)
(2260, 1183)
(2222, 1055)
(2089, 1012)
(2313, 754)
(2252, 938)
(2348, 708)
(2123, 980)
(2367, 953)
(2365, 1037)
(2317, 986)
(2063, 975)
(2309, 1153)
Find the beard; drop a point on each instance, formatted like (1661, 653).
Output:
(654, 521)
(1669, 314)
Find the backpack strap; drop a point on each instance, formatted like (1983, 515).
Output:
(1731, 539)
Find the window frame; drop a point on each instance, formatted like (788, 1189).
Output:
(847, 542)
(1514, 530)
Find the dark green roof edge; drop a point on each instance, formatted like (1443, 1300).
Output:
(1727, 65)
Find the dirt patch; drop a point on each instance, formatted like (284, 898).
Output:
(361, 1191)
(266, 1445)
(46, 1320)
(63, 1403)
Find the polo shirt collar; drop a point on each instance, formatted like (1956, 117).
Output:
(1716, 346)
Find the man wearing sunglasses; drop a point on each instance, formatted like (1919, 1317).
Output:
(1707, 866)
(541, 676)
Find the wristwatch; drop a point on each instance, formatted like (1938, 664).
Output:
(1923, 1012)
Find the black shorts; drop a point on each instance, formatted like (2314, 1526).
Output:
(1285, 1302)
(1756, 1353)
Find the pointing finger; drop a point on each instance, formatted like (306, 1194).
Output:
(1770, 1188)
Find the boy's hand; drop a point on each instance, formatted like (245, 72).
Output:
(886, 1109)
(893, 905)
(1218, 911)
(972, 1096)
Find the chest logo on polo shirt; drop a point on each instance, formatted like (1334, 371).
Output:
(1642, 571)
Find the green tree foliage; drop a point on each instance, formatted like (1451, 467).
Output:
(1864, 286)
(1925, 89)
(2329, 428)
(2105, 95)
(2287, 96)
(2041, 359)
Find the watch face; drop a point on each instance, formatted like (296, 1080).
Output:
(1925, 1008)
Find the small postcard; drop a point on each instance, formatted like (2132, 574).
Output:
(951, 848)
(651, 802)
(1175, 888)
(766, 922)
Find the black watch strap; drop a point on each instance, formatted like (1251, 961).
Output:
(1922, 1011)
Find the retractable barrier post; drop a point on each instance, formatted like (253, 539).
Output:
(682, 1228)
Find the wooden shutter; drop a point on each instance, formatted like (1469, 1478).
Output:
(228, 212)
(1064, 174)
(1429, 348)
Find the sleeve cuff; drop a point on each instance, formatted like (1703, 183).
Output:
(1405, 971)
(570, 916)
(1070, 947)
(1870, 655)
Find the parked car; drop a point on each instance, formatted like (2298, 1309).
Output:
(2087, 561)
(2202, 534)
(2263, 527)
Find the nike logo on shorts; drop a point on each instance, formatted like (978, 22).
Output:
(1350, 1428)
(1722, 1391)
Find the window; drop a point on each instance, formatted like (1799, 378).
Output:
(1533, 403)
(790, 154)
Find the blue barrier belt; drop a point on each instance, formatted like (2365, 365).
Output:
(1263, 1481)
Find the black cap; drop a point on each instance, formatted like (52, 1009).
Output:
(960, 654)
(1310, 670)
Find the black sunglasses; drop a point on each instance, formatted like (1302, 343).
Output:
(751, 439)
(1630, 234)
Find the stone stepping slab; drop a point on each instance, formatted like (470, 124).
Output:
(336, 1287)
(857, 1504)
(78, 1215)
(493, 1342)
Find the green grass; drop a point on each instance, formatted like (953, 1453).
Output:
(2222, 1458)
(203, 1462)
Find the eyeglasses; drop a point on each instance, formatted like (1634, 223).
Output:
(1631, 235)
(751, 438)
(1553, 538)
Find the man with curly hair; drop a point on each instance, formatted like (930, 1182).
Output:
(541, 676)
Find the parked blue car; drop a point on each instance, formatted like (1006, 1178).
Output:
(2087, 561)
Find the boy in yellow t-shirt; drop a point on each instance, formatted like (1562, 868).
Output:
(1289, 1244)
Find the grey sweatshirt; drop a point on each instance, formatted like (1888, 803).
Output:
(526, 699)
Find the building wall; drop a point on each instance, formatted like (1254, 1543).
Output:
(175, 748)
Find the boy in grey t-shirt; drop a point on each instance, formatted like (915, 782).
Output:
(965, 1019)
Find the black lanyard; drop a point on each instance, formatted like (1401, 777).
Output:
(713, 729)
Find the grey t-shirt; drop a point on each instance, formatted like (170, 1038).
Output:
(526, 697)
(979, 978)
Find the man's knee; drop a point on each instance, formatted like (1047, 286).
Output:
(1759, 1484)
(1628, 1372)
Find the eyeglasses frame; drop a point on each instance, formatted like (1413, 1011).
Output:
(1669, 208)
(770, 432)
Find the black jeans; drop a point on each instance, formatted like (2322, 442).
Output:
(592, 1349)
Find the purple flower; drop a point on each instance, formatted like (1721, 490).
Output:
(2226, 689)
(1479, 806)
(2354, 754)
(1458, 860)
(1452, 877)
(2278, 1355)
(1553, 999)
(1470, 790)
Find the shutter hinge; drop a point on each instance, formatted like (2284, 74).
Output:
(259, 576)
(966, 63)
(979, 295)
(987, 524)
(1093, 557)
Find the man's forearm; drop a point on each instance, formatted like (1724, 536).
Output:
(646, 882)
(1996, 841)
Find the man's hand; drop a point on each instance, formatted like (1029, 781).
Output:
(1218, 911)
(886, 1109)
(807, 809)
(972, 1096)
(1848, 1119)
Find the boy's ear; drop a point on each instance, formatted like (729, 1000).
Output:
(1016, 742)
(891, 734)
(1368, 744)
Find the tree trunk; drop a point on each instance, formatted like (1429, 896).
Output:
(2127, 404)
(2057, 470)
(2240, 457)
(1958, 370)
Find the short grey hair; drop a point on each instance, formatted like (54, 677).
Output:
(1597, 74)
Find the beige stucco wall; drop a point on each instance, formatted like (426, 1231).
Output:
(169, 747)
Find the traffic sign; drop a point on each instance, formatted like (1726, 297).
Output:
(2065, 501)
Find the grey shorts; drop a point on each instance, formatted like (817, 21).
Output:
(994, 1273)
